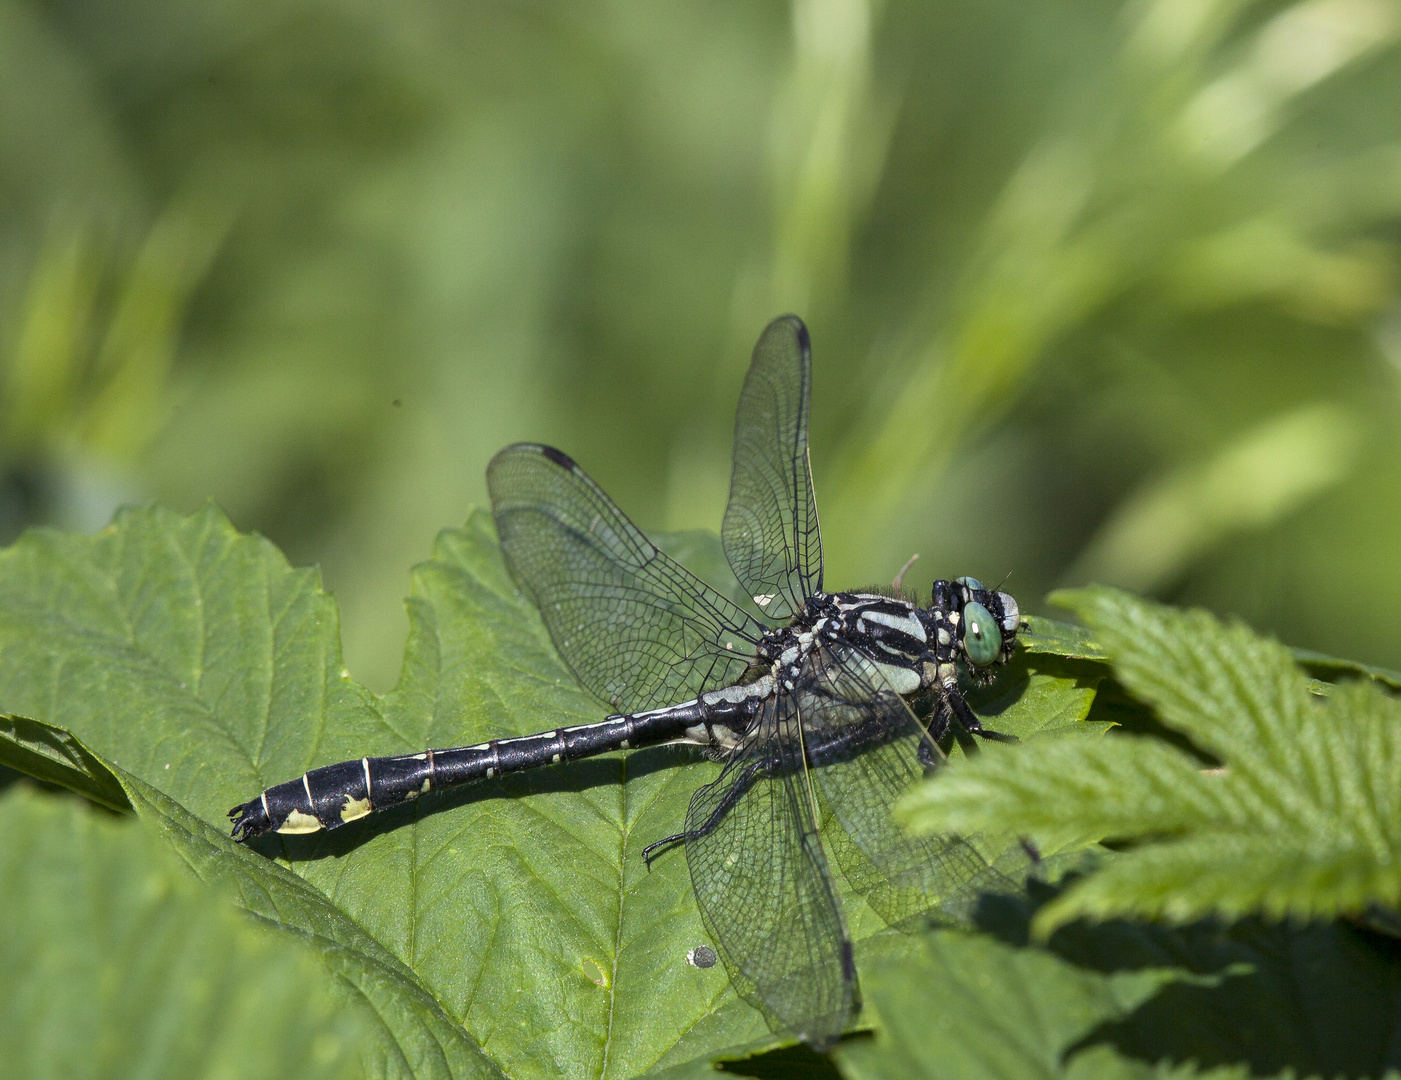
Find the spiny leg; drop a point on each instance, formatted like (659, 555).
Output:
(820, 750)
(928, 754)
(969, 721)
(742, 784)
(953, 707)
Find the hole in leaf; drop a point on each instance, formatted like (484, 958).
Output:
(593, 971)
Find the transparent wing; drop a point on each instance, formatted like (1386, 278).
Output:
(864, 742)
(770, 532)
(636, 628)
(763, 886)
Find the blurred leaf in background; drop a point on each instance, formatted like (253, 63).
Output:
(129, 960)
(1097, 290)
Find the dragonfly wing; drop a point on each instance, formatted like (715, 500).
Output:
(635, 627)
(763, 886)
(865, 743)
(770, 532)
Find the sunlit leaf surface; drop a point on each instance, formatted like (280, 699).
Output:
(1288, 806)
(515, 916)
(511, 930)
(196, 660)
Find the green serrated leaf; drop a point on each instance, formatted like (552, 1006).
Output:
(1235, 694)
(516, 916)
(1055, 638)
(1113, 791)
(54, 756)
(409, 1034)
(177, 649)
(973, 1007)
(1038, 697)
(1302, 818)
(118, 963)
(1324, 664)
(1310, 999)
(197, 661)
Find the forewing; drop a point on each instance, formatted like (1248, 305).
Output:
(636, 628)
(770, 532)
(764, 890)
(872, 740)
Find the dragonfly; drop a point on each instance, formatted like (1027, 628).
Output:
(821, 708)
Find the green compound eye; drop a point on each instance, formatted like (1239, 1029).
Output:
(982, 641)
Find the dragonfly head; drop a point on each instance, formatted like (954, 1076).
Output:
(988, 623)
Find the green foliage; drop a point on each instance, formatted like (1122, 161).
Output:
(1098, 290)
(197, 668)
(945, 1010)
(175, 666)
(53, 756)
(1294, 814)
(1117, 1000)
(197, 661)
(403, 1030)
(118, 964)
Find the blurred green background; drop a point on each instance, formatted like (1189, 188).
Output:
(1097, 290)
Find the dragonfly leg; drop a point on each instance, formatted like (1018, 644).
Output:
(968, 719)
(743, 782)
(838, 745)
(929, 755)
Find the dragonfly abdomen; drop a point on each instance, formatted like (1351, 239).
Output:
(332, 795)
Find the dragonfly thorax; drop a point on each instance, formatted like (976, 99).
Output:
(911, 647)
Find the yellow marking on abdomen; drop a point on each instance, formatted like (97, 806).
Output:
(298, 823)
